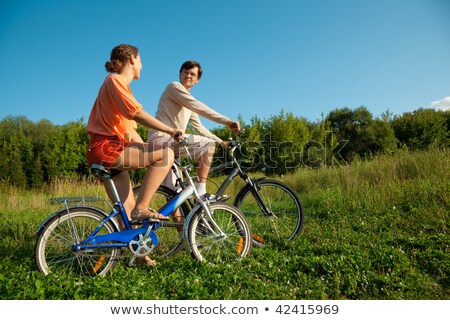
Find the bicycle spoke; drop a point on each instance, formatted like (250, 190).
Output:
(283, 218)
(54, 248)
(231, 243)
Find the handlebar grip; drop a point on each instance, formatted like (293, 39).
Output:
(185, 140)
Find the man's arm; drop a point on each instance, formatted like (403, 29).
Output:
(179, 94)
(200, 129)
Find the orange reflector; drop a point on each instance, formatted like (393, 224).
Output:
(240, 244)
(258, 238)
(99, 263)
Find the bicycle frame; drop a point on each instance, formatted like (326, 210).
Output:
(236, 171)
(122, 238)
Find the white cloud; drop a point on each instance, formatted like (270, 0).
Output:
(443, 104)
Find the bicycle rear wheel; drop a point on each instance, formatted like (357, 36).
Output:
(208, 244)
(54, 253)
(170, 233)
(284, 218)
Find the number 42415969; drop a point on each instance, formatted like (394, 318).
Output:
(307, 309)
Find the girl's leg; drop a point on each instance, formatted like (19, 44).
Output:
(125, 191)
(138, 155)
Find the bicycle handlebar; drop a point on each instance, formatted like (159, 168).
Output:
(184, 141)
(232, 144)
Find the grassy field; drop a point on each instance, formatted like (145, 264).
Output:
(373, 230)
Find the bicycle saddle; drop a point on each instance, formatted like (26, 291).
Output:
(100, 171)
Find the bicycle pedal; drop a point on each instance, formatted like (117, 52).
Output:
(149, 220)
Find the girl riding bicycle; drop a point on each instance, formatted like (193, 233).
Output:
(114, 141)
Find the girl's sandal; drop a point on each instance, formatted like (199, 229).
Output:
(148, 213)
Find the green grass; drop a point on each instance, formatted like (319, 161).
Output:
(373, 230)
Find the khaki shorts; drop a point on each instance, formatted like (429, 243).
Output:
(196, 147)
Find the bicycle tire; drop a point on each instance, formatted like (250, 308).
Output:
(170, 239)
(208, 246)
(53, 250)
(286, 219)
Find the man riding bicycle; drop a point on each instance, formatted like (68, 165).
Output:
(176, 108)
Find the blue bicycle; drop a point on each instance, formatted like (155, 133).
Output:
(86, 240)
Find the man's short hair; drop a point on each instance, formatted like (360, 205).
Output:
(192, 64)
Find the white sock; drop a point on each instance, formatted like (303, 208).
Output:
(201, 188)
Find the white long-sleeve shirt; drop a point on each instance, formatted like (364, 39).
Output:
(177, 108)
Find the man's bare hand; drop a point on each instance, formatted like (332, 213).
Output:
(235, 126)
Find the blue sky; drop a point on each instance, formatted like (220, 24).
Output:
(259, 56)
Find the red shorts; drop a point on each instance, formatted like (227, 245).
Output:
(104, 150)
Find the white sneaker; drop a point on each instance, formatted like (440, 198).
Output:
(214, 198)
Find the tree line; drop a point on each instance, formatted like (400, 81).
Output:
(37, 153)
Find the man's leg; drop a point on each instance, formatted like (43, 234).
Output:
(205, 164)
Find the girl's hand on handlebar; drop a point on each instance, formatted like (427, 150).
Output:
(178, 135)
(225, 144)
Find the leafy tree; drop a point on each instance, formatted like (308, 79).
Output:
(15, 173)
(361, 134)
(252, 150)
(18, 150)
(349, 126)
(43, 135)
(422, 129)
(37, 153)
(37, 175)
(319, 151)
(72, 158)
(51, 154)
(283, 138)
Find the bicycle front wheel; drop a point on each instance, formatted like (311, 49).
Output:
(273, 210)
(229, 243)
(54, 252)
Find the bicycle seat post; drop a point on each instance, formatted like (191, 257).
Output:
(110, 188)
(105, 176)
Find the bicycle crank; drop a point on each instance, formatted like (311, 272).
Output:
(141, 246)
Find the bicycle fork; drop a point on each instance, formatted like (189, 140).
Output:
(208, 220)
(254, 190)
